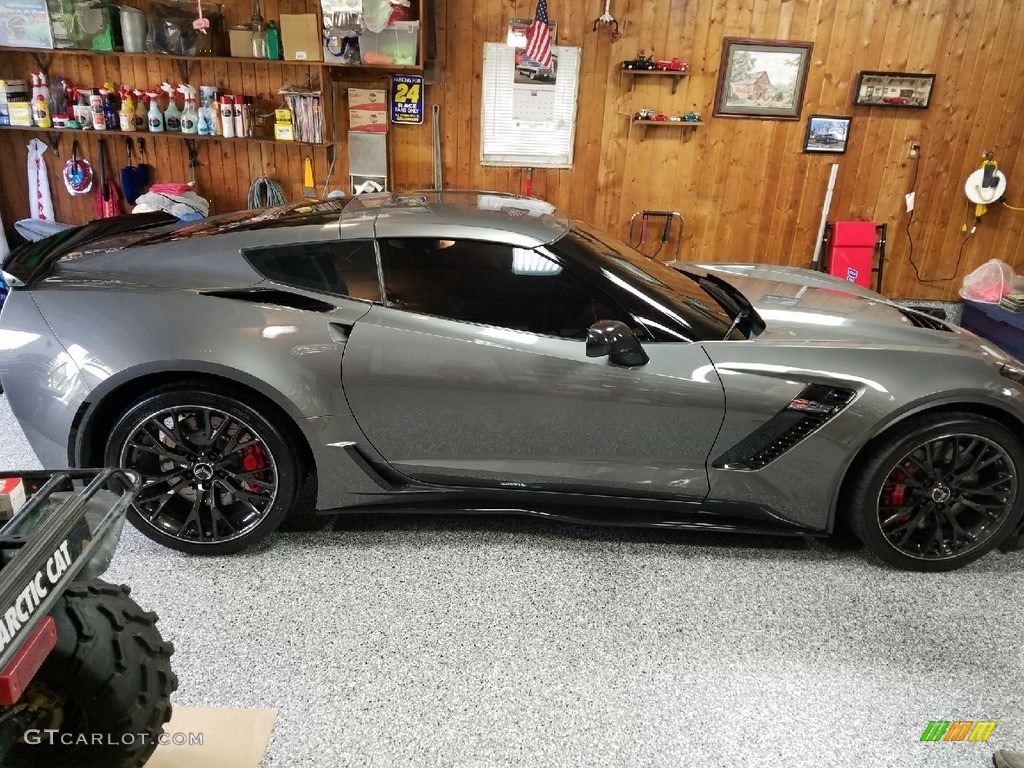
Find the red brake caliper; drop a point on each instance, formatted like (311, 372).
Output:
(252, 459)
(894, 494)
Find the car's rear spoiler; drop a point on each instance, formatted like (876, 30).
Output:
(32, 260)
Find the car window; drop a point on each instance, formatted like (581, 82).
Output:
(492, 284)
(346, 268)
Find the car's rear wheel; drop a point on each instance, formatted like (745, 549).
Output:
(939, 492)
(218, 475)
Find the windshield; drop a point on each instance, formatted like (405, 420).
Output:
(664, 288)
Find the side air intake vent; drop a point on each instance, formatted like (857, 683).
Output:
(814, 407)
(274, 297)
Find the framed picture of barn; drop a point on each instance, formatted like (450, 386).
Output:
(762, 78)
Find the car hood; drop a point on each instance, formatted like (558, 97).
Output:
(799, 305)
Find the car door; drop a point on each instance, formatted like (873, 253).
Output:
(475, 373)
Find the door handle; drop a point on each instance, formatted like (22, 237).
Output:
(339, 331)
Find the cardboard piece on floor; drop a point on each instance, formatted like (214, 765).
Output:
(232, 738)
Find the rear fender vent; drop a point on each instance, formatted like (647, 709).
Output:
(273, 296)
(814, 407)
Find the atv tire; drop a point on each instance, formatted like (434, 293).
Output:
(105, 687)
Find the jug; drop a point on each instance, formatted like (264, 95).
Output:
(134, 27)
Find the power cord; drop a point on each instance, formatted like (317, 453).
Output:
(910, 240)
(264, 192)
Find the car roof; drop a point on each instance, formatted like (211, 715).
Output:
(451, 214)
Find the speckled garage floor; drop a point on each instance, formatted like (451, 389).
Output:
(448, 641)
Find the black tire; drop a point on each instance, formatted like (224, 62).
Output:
(109, 674)
(218, 474)
(938, 492)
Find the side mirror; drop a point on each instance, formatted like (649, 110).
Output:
(613, 339)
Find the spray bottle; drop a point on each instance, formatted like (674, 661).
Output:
(155, 121)
(127, 113)
(189, 116)
(141, 117)
(172, 115)
(41, 112)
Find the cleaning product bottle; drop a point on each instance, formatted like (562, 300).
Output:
(189, 116)
(273, 41)
(227, 116)
(172, 115)
(156, 117)
(99, 122)
(207, 97)
(41, 112)
(127, 113)
(81, 111)
(110, 107)
(141, 117)
(35, 95)
(236, 116)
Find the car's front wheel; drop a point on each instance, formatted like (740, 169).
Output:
(218, 475)
(939, 492)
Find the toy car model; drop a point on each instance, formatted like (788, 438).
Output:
(672, 65)
(640, 62)
(644, 114)
(85, 677)
(483, 352)
(691, 117)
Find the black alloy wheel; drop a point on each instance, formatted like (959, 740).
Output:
(941, 492)
(217, 475)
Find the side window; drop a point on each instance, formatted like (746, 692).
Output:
(492, 284)
(336, 267)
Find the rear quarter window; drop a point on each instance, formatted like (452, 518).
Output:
(338, 268)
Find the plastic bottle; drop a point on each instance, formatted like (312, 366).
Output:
(172, 115)
(141, 113)
(218, 128)
(81, 111)
(99, 121)
(110, 109)
(41, 112)
(189, 115)
(227, 116)
(259, 38)
(207, 97)
(155, 121)
(127, 113)
(236, 115)
(273, 41)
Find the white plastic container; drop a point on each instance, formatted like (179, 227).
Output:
(399, 42)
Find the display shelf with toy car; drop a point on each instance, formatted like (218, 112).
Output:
(646, 66)
(651, 117)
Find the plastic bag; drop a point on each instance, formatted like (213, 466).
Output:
(989, 282)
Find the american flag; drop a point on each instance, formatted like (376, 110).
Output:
(538, 37)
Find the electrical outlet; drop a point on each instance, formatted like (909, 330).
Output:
(914, 151)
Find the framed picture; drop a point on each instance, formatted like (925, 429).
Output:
(894, 89)
(827, 134)
(762, 78)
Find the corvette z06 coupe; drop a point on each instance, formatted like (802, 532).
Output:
(483, 352)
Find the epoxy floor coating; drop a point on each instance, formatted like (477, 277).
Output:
(498, 641)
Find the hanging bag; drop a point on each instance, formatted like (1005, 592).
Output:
(77, 173)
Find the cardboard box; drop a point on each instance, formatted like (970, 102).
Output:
(12, 497)
(300, 37)
(240, 42)
(367, 110)
(201, 737)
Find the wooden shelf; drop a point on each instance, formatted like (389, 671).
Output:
(675, 74)
(159, 135)
(663, 124)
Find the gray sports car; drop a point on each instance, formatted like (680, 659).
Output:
(482, 352)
